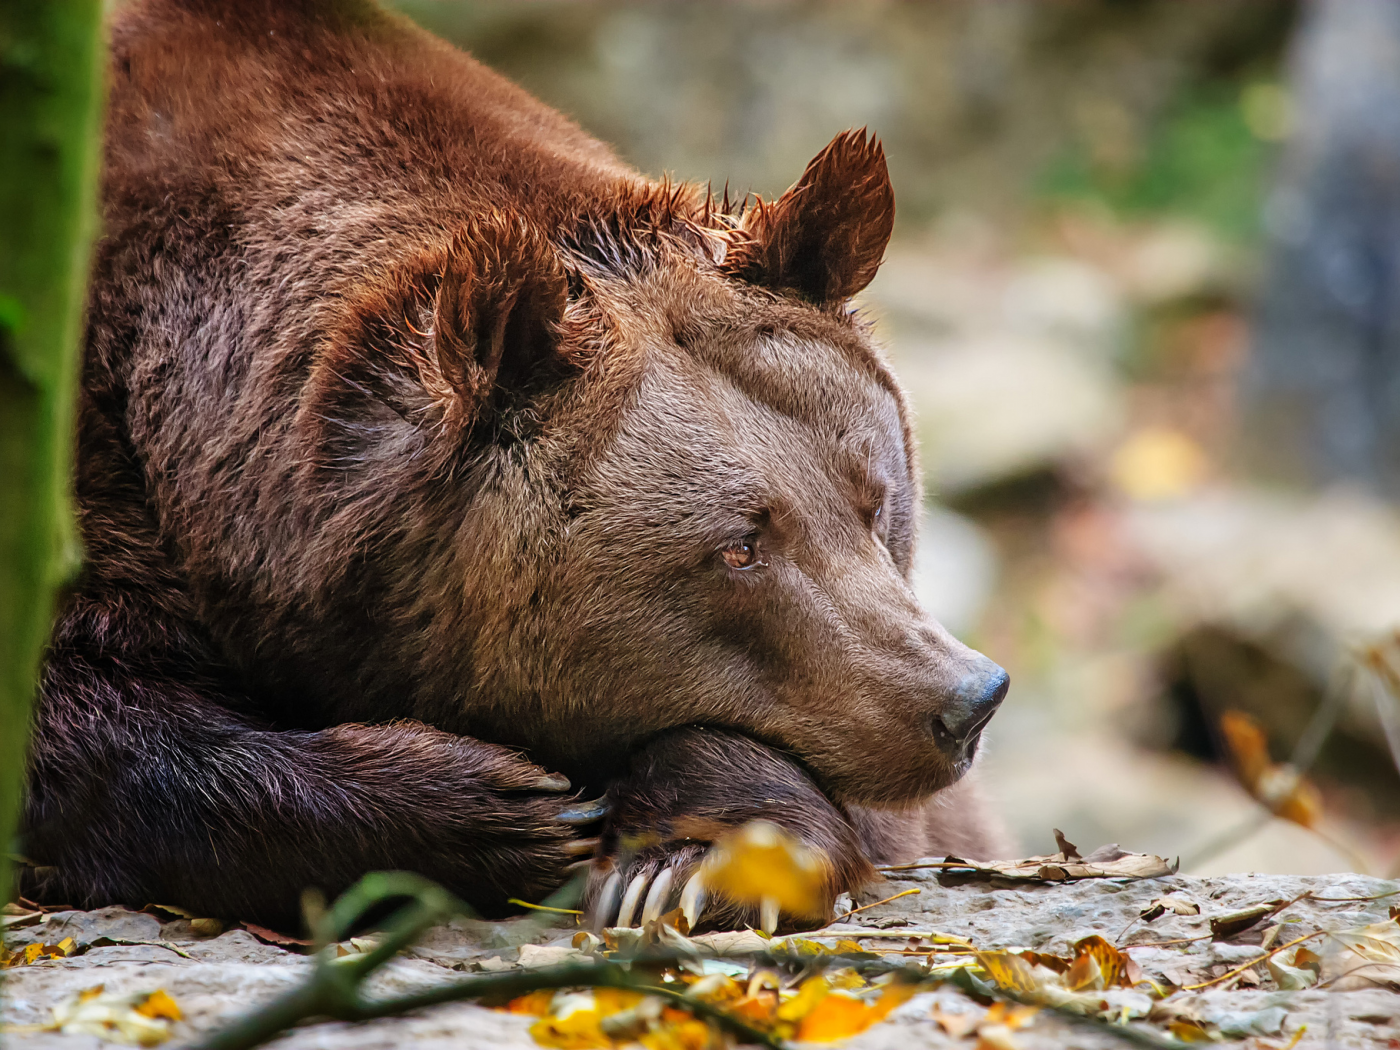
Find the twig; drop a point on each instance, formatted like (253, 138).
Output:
(867, 907)
(1305, 753)
(1165, 944)
(925, 864)
(1253, 962)
(542, 907)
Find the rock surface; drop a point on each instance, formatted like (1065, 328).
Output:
(218, 978)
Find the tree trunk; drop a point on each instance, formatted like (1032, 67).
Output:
(51, 63)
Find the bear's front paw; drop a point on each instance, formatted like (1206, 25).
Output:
(689, 789)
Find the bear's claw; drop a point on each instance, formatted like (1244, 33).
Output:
(646, 899)
(584, 812)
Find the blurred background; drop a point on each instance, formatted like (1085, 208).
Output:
(1145, 294)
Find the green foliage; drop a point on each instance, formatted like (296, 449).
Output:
(50, 98)
(1202, 159)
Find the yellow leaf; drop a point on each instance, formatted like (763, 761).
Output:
(678, 1030)
(111, 1016)
(160, 1004)
(1012, 1015)
(761, 860)
(534, 1003)
(1189, 1031)
(1009, 971)
(1158, 463)
(67, 946)
(836, 1017)
(1112, 965)
(813, 991)
(580, 1030)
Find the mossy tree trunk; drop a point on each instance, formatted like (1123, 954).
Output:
(51, 62)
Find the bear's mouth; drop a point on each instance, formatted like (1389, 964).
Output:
(963, 750)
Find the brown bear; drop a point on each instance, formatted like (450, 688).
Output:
(435, 469)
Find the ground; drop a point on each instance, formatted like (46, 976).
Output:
(226, 975)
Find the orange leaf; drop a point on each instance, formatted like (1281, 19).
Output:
(1278, 786)
(534, 1003)
(160, 1004)
(835, 1017)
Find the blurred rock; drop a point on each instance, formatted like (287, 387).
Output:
(1271, 595)
(993, 408)
(1066, 300)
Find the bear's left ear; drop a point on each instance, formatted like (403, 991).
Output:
(499, 305)
(825, 237)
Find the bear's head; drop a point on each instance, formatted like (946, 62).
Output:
(694, 489)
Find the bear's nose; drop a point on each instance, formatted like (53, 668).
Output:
(974, 702)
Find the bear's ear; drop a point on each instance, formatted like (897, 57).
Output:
(825, 237)
(499, 305)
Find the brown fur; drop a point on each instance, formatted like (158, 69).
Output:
(412, 425)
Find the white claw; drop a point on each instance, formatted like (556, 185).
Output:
(693, 898)
(768, 915)
(630, 899)
(606, 904)
(658, 896)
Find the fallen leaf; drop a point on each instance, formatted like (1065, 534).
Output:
(1159, 906)
(1068, 850)
(1302, 972)
(281, 940)
(838, 1016)
(1104, 863)
(996, 1037)
(1277, 785)
(1231, 923)
(760, 861)
(35, 953)
(1366, 955)
(136, 1019)
(1012, 1015)
(957, 1025)
(1189, 1031)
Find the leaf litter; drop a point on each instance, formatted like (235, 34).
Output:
(827, 987)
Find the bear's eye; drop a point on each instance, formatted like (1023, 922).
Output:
(742, 554)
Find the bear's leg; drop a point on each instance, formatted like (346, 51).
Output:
(686, 789)
(146, 788)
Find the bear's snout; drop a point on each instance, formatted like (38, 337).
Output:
(959, 724)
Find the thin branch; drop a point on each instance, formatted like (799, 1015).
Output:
(1253, 962)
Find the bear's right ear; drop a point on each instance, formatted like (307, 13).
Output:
(825, 237)
(499, 305)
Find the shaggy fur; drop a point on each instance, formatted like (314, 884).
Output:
(415, 432)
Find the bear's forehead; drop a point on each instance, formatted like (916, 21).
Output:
(757, 398)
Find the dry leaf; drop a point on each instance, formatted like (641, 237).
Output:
(1068, 850)
(838, 1016)
(34, 953)
(1278, 786)
(957, 1025)
(136, 1019)
(1366, 955)
(1230, 923)
(1104, 863)
(1301, 973)
(762, 861)
(1159, 906)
